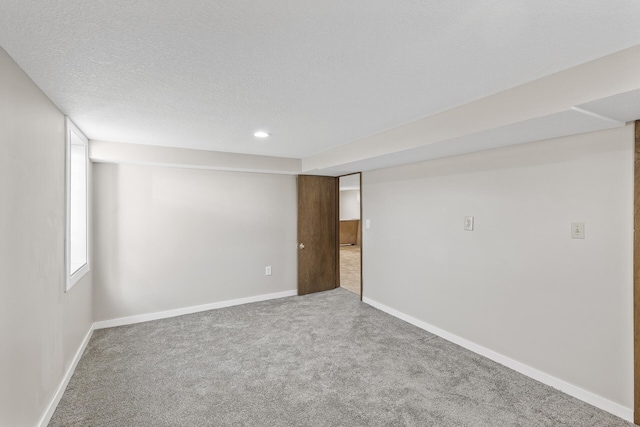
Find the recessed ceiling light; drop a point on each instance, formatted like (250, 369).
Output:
(261, 134)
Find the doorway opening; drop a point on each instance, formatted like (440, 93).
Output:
(350, 233)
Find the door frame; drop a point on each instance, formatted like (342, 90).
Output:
(636, 276)
(338, 228)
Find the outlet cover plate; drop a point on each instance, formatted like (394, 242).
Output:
(577, 230)
(468, 223)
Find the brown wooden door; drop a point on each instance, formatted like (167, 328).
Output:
(317, 234)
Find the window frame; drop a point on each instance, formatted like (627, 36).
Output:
(72, 277)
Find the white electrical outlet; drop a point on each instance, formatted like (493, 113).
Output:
(468, 223)
(267, 270)
(577, 230)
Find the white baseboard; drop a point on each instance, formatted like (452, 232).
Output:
(130, 320)
(46, 417)
(570, 389)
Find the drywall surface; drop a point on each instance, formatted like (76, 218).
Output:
(551, 97)
(149, 155)
(349, 204)
(41, 326)
(518, 284)
(168, 238)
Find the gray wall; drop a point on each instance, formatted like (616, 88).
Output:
(41, 326)
(518, 284)
(170, 238)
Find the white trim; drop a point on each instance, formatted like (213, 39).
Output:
(189, 310)
(46, 417)
(570, 389)
(73, 277)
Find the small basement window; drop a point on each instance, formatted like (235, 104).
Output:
(77, 239)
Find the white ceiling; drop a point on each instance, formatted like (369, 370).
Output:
(315, 74)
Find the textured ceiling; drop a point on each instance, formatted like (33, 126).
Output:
(315, 74)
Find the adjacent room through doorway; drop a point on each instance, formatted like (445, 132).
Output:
(350, 234)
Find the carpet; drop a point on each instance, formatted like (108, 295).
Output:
(323, 359)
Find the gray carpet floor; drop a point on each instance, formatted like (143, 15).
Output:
(320, 360)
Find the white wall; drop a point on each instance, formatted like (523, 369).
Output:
(41, 326)
(349, 204)
(127, 153)
(517, 285)
(169, 238)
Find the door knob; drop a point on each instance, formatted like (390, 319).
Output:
(301, 245)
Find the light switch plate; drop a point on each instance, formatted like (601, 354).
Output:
(577, 230)
(367, 224)
(267, 270)
(468, 223)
